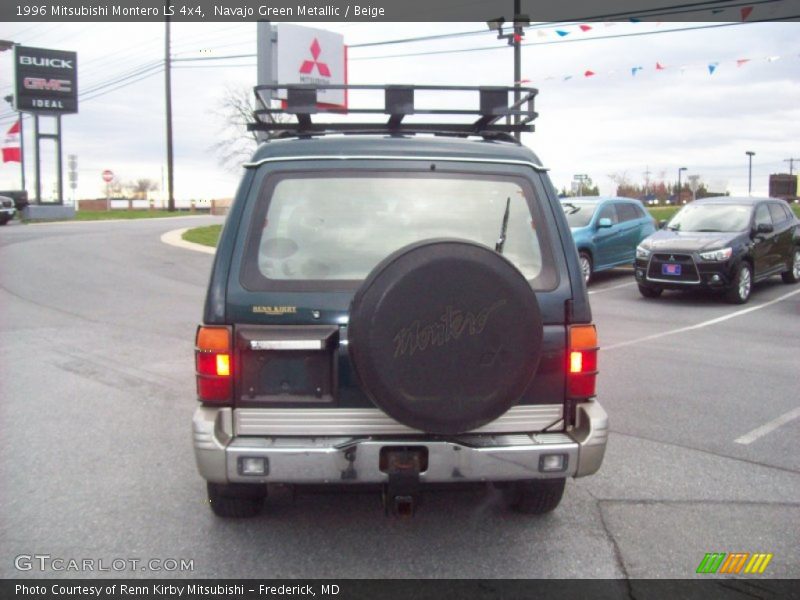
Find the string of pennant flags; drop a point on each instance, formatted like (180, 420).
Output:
(711, 67)
(744, 13)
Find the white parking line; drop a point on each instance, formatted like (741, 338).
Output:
(613, 287)
(732, 315)
(758, 432)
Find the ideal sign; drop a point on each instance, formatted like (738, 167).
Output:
(312, 56)
(46, 80)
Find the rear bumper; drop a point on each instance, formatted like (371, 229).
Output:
(356, 458)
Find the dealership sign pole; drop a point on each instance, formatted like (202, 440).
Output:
(46, 85)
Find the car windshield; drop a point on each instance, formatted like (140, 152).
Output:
(340, 227)
(578, 213)
(711, 217)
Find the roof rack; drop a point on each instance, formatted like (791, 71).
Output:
(399, 103)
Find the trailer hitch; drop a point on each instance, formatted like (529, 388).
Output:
(401, 494)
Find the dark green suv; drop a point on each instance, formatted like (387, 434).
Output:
(401, 305)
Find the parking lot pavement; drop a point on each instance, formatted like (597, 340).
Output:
(688, 369)
(96, 336)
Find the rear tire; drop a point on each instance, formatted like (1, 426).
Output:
(586, 266)
(536, 496)
(742, 285)
(793, 274)
(236, 500)
(649, 291)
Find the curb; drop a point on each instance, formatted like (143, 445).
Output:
(173, 238)
(73, 222)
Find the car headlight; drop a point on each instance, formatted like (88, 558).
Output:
(642, 251)
(717, 255)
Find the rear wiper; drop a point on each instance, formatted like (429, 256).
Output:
(501, 241)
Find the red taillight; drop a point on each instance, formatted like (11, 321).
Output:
(213, 364)
(582, 367)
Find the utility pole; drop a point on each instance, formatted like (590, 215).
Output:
(750, 155)
(791, 162)
(678, 196)
(168, 85)
(514, 39)
(518, 33)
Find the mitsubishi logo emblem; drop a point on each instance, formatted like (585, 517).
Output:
(308, 65)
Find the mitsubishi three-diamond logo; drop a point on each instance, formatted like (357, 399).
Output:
(307, 68)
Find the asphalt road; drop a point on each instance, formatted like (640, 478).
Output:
(97, 390)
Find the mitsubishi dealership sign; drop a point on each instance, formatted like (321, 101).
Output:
(46, 80)
(313, 56)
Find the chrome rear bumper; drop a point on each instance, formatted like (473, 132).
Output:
(356, 458)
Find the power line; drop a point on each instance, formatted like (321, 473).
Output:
(107, 87)
(561, 41)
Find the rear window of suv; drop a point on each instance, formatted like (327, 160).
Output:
(321, 230)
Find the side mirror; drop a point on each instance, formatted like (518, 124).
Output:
(764, 228)
(604, 222)
(662, 223)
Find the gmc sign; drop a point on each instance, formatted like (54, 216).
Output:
(46, 80)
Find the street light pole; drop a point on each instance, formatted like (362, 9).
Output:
(750, 155)
(678, 197)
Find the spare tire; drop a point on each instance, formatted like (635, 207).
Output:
(445, 335)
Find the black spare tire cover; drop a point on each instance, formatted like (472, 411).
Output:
(445, 335)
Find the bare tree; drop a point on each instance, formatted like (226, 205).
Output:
(620, 178)
(139, 188)
(235, 110)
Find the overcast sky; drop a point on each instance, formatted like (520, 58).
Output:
(610, 122)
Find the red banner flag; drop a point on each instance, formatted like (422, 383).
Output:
(11, 152)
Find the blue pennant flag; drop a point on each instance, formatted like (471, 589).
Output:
(712, 67)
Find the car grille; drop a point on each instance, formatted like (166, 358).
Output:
(688, 268)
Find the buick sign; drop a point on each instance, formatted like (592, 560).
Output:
(46, 80)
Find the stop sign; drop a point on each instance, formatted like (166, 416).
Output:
(108, 176)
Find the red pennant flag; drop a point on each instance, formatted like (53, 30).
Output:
(588, 74)
(745, 12)
(586, 28)
(660, 67)
(11, 152)
(742, 61)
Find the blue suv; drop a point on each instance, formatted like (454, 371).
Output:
(606, 230)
